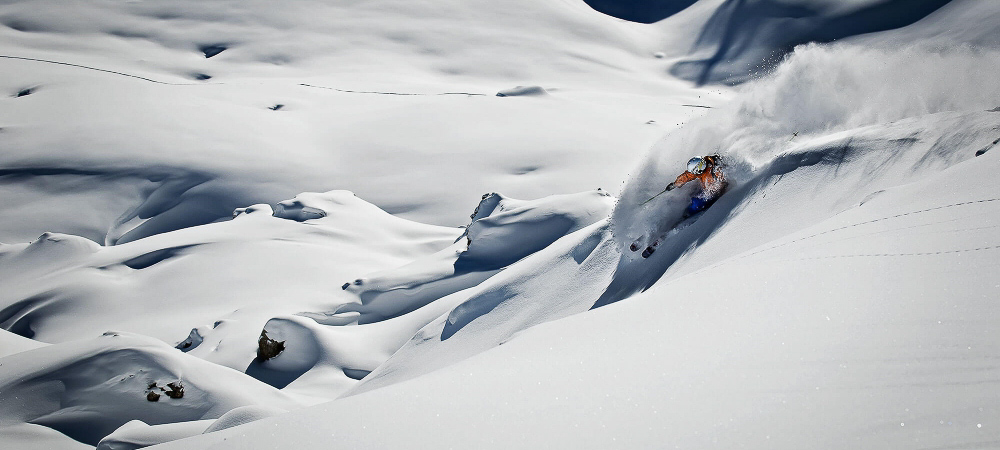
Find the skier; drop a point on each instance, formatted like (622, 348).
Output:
(708, 171)
(712, 180)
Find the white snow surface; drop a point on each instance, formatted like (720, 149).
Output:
(272, 206)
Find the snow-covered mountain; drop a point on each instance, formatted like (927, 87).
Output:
(255, 224)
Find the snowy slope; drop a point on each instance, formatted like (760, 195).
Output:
(817, 338)
(100, 384)
(296, 89)
(794, 296)
(188, 164)
(165, 285)
(601, 270)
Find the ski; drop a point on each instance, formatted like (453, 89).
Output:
(635, 246)
(652, 248)
(684, 223)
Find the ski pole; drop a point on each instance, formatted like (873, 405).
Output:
(651, 198)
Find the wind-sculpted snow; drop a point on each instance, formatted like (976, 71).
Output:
(127, 119)
(56, 289)
(137, 434)
(503, 230)
(320, 362)
(515, 229)
(894, 192)
(553, 280)
(746, 37)
(824, 161)
(60, 286)
(86, 389)
(11, 343)
(429, 317)
(594, 267)
(167, 198)
(565, 278)
(840, 293)
(322, 357)
(243, 415)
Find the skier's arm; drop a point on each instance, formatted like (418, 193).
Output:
(681, 180)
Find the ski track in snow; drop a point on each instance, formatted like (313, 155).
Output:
(834, 230)
(470, 94)
(80, 66)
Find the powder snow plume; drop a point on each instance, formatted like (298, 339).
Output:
(817, 90)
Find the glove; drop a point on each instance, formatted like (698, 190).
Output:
(670, 187)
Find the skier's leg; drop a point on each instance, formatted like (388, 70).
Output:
(697, 204)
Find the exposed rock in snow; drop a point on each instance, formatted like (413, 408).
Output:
(268, 348)
(193, 340)
(86, 389)
(521, 91)
(296, 209)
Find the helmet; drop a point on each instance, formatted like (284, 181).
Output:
(697, 165)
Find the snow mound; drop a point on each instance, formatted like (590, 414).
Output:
(514, 229)
(320, 362)
(321, 357)
(862, 155)
(137, 434)
(11, 343)
(243, 415)
(297, 351)
(86, 389)
(61, 287)
(564, 278)
(503, 230)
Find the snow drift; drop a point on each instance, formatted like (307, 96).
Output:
(502, 231)
(324, 358)
(89, 388)
(170, 110)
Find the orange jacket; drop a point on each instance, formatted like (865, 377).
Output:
(713, 180)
